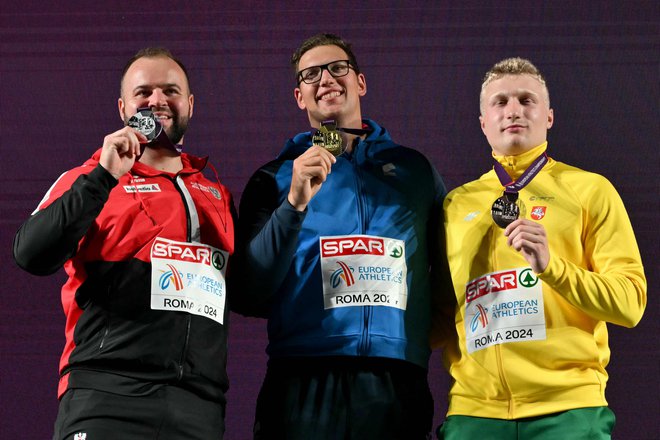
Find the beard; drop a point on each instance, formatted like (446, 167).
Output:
(178, 128)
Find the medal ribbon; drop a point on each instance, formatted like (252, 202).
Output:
(512, 187)
(355, 131)
(328, 137)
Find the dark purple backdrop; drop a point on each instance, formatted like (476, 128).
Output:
(59, 72)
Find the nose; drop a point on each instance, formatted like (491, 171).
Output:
(513, 108)
(157, 98)
(326, 77)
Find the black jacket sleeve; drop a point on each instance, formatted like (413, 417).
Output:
(50, 236)
(266, 240)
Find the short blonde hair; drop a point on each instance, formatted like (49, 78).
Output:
(513, 66)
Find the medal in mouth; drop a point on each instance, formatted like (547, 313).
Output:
(147, 123)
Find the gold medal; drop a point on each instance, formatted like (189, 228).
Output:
(328, 137)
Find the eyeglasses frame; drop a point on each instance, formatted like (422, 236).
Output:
(324, 67)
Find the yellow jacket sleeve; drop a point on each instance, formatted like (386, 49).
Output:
(611, 285)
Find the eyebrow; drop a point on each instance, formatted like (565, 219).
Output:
(157, 86)
(517, 92)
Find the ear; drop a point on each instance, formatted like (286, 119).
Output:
(297, 94)
(362, 84)
(120, 107)
(482, 124)
(551, 118)
(191, 101)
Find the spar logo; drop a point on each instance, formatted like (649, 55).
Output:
(186, 252)
(480, 317)
(394, 250)
(494, 282)
(345, 273)
(172, 278)
(354, 245)
(527, 278)
(218, 260)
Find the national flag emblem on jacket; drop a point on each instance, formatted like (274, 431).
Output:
(538, 212)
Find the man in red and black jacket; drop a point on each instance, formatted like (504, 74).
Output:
(144, 238)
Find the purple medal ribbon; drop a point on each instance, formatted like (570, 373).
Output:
(505, 210)
(513, 187)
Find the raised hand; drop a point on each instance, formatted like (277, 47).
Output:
(310, 170)
(120, 150)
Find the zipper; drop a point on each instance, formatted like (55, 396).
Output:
(179, 375)
(178, 182)
(497, 347)
(105, 334)
(365, 341)
(107, 323)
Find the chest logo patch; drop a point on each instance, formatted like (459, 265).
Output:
(538, 212)
(144, 188)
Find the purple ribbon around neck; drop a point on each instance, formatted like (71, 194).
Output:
(514, 186)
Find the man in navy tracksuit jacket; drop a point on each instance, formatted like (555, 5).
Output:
(338, 253)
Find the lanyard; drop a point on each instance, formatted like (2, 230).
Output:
(514, 186)
(505, 209)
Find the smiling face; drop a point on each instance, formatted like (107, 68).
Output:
(330, 98)
(160, 84)
(515, 114)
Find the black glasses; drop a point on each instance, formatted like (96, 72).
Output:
(313, 74)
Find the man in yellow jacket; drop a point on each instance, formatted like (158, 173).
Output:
(542, 255)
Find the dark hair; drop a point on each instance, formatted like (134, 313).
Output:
(323, 40)
(152, 52)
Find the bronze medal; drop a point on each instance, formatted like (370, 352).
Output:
(505, 210)
(328, 137)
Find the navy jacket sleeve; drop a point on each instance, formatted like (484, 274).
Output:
(51, 235)
(267, 237)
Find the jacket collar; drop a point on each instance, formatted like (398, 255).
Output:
(516, 165)
(191, 164)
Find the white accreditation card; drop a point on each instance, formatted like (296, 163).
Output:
(363, 270)
(188, 277)
(503, 307)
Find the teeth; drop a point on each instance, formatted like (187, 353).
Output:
(330, 95)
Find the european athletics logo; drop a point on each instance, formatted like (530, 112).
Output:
(481, 316)
(343, 273)
(171, 277)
